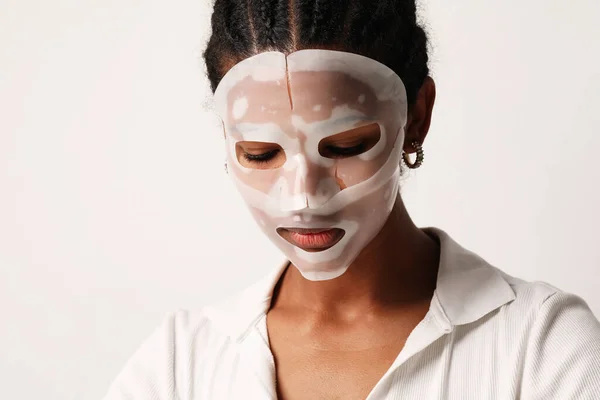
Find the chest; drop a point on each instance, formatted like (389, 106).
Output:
(308, 373)
(478, 361)
(321, 362)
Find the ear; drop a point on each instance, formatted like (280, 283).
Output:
(419, 118)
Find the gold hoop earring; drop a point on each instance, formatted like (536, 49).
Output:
(420, 156)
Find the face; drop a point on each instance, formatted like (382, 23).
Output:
(314, 142)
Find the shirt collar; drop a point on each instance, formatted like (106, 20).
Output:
(467, 289)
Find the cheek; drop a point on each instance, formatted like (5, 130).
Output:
(372, 210)
(261, 180)
(269, 223)
(353, 171)
(264, 220)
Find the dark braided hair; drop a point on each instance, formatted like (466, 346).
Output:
(384, 30)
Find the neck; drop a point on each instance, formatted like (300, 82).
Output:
(397, 268)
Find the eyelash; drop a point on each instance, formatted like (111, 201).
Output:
(340, 152)
(336, 152)
(261, 158)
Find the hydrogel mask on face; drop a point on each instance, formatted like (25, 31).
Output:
(302, 106)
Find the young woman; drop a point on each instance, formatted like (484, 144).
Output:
(322, 102)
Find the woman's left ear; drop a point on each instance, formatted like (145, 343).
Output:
(419, 118)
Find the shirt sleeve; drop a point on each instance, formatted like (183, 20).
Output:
(563, 356)
(149, 373)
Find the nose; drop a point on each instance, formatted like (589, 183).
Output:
(309, 185)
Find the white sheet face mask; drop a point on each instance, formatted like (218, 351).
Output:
(314, 141)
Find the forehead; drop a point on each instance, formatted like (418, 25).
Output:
(313, 81)
(314, 95)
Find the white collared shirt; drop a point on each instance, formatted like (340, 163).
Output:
(486, 335)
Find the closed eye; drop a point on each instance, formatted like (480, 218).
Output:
(260, 155)
(350, 143)
(346, 151)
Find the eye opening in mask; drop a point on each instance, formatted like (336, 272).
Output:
(351, 142)
(259, 155)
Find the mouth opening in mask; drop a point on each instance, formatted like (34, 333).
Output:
(312, 240)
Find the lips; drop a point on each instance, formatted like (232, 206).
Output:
(312, 240)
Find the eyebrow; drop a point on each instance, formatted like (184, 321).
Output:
(346, 123)
(352, 119)
(265, 132)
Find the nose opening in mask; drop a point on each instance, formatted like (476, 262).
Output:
(312, 240)
(350, 143)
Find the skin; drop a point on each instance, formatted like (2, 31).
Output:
(339, 344)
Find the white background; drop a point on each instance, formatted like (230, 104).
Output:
(114, 206)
